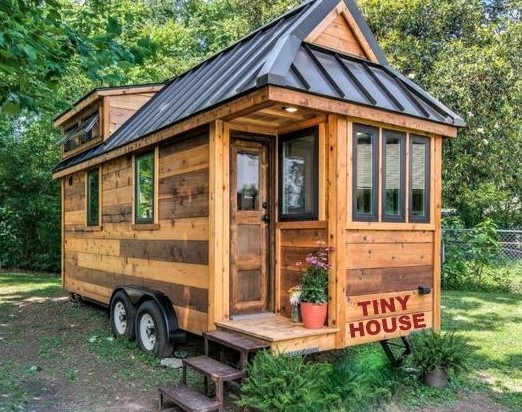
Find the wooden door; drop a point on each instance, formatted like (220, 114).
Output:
(249, 227)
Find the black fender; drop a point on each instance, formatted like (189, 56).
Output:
(138, 294)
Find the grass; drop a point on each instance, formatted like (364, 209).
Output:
(490, 322)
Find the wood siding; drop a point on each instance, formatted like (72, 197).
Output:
(295, 244)
(383, 272)
(122, 107)
(172, 257)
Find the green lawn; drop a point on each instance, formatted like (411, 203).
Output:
(492, 324)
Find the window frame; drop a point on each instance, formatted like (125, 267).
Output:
(89, 221)
(374, 131)
(152, 219)
(401, 217)
(427, 181)
(285, 217)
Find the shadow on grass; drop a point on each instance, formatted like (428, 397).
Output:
(495, 356)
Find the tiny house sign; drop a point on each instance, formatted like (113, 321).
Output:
(394, 315)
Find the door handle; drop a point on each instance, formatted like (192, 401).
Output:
(265, 218)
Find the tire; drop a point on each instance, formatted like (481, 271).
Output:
(151, 331)
(123, 316)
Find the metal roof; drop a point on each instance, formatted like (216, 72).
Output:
(276, 54)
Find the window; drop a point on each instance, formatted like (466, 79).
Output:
(419, 179)
(393, 196)
(298, 185)
(82, 133)
(93, 198)
(144, 196)
(380, 181)
(365, 172)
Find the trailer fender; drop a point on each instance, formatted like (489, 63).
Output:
(139, 294)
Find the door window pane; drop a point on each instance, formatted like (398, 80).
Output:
(365, 172)
(393, 188)
(419, 186)
(247, 181)
(93, 198)
(144, 204)
(299, 176)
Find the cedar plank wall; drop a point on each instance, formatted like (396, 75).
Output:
(383, 265)
(122, 107)
(295, 245)
(172, 259)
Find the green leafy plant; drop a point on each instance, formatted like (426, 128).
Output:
(433, 350)
(283, 383)
(314, 283)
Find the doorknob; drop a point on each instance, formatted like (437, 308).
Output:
(265, 218)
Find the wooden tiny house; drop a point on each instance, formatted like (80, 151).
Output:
(203, 194)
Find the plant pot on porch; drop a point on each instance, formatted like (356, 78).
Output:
(313, 314)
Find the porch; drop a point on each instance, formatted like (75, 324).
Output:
(281, 334)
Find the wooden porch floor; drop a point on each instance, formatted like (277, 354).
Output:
(274, 328)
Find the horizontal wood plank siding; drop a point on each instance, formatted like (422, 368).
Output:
(171, 257)
(385, 268)
(186, 251)
(296, 243)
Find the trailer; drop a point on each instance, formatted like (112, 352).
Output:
(185, 205)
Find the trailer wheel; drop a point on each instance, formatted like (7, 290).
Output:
(151, 331)
(123, 315)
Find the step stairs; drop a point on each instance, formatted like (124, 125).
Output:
(218, 372)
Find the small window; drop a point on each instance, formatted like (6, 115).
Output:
(419, 179)
(365, 173)
(298, 185)
(393, 176)
(144, 199)
(93, 198)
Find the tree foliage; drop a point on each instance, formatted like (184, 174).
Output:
(52, 52)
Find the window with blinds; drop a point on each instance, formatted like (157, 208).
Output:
(419, 178)
(393, 176)
(365, 172)
(379, 167)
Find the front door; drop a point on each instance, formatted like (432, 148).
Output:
(249, 226)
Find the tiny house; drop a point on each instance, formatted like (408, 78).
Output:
(185, 205)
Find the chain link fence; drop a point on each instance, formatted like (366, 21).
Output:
(507, 250)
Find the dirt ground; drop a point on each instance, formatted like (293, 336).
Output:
(56, 355)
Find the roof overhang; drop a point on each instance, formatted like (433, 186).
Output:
(260, 99)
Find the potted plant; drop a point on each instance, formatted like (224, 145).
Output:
(434, 354)
(314, 287)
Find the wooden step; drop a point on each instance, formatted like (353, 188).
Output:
(215, 370)
(187, 398)
(235, 341)
(243, 344)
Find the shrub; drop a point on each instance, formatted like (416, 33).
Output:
(282, 383)
(433, 350)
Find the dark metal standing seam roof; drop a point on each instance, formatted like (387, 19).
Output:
(276, 54)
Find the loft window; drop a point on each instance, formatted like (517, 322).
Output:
(393, 179)
(419, 179)
(365, 157)
(93, 198)
(298, 184)
(80, 134)
(144, 195)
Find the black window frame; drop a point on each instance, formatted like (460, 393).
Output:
(402, 162)
(313, 131)
(149, 220)
(90, 221)
(374, 216)
(427, 181)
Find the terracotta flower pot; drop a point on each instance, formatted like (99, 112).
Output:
(437, 378)
(313, 314)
